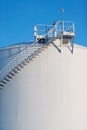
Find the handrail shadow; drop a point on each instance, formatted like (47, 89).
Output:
(71, 49)
(58, 49)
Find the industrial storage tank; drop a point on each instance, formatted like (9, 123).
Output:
(47, 90)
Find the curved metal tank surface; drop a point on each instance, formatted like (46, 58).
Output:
(49, 93)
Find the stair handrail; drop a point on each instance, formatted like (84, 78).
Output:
(15, 61)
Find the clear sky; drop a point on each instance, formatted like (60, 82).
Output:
(18, 17)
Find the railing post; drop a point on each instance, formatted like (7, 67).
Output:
(73, 28)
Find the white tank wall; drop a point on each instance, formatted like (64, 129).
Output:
(49, 93)
(9, 106)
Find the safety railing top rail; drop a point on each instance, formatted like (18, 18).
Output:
(59, 27)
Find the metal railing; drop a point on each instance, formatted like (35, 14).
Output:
(29, 51)
(56, 29)
(19, 59)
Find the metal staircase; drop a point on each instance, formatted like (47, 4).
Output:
(18, 62)
(58, 30)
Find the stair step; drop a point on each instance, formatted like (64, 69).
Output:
(1, 84)
(36, 54)
(7, 79)
(4, 82)
(18, 68)
(27, 60)
(33, 56)
(24, 62)
(45, 46)
(30, 58)
(42, 49)
(15, 70)
(9, 76)
(12, 73)
(21, 65)
(39, 51)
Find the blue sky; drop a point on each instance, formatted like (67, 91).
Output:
(18, 17)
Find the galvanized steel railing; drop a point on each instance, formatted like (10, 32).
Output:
(28, 52)
(19, 59)
(31, 49)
